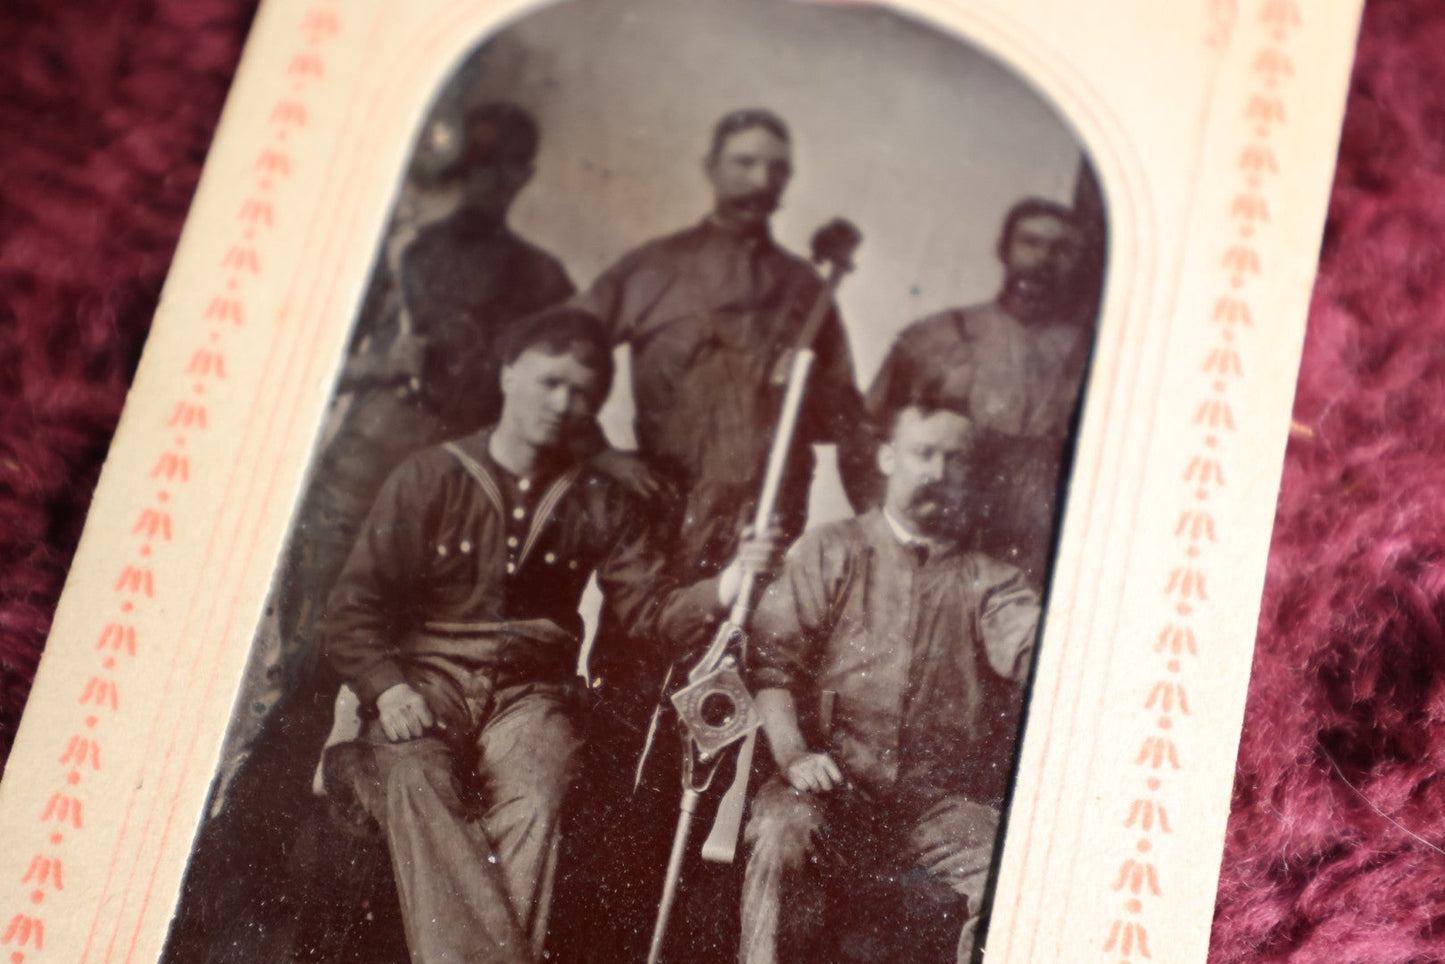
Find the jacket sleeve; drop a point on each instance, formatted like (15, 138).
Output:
(607, 299)
(374, 599)
(625, 295)
(644, 592)
(1008, 620)
(794, 614)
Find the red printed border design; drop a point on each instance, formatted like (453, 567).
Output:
(80, 749)
(1166, 709)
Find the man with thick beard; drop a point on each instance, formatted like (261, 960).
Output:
(1017, 363)
(888, 664)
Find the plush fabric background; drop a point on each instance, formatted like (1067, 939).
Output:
(1349, 671)
(106, 109)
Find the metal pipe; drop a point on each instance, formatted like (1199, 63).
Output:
(688, 808)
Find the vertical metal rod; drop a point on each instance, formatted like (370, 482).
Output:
(674, 872)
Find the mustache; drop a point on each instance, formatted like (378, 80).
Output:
(1040, 275)
(765, 199)
(936, 492)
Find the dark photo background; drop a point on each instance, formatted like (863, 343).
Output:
(106, 109)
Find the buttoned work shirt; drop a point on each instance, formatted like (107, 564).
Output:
(454, 542)
(709, 314)
(925, 657)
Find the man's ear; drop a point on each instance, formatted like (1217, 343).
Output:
(887, 459)
(507, 379)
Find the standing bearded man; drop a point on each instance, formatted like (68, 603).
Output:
(1017, 363)
(888, 664)
(711, 315)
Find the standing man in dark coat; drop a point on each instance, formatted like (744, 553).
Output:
(1017, 363)
(710, 314)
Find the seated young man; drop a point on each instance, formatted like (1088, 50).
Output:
(887, 661)
(456, 621)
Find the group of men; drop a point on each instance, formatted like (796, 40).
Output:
(459, 512)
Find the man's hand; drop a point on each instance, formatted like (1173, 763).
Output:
(813, 773)
(629, 470)
(404, 714)
(759, 555)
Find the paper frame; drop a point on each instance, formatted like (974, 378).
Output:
(1214, 216)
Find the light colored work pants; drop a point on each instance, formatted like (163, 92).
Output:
(474, 853)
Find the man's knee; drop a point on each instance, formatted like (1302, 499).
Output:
(952, 849)
(532, 754)
(540, 792)
(783, 826)
(417, 774)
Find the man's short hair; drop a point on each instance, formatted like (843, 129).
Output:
(1033, 207)
(745, 120)
(498, 133)
(560, 331)
(926, 399)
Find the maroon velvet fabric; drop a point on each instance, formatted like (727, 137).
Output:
(107, 106)
(106, 110)
(1349, 670)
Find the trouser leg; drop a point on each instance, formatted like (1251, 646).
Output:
(784, 902)
(454, 895)
(950, 849)
(530, 751)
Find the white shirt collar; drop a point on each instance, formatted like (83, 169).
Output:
(906, 537)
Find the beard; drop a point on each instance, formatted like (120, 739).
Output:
(935, 509)
(750, 208)
(1040, 293)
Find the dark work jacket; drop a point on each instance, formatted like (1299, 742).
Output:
(443, 550)
(709, 312)
(464, 283)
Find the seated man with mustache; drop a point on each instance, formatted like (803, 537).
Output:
(888, 663)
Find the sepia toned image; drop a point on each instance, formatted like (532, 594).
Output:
(717, 373)
(733, 480)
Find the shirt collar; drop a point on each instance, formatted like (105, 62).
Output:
(761, 237)
(908, 539)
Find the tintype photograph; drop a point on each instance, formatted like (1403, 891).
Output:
(668, 574)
